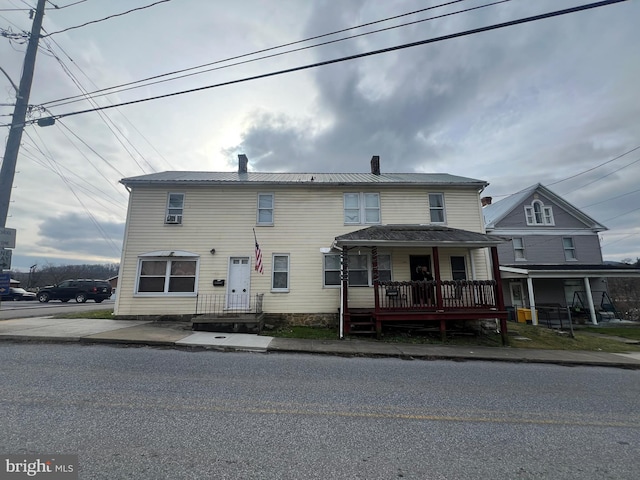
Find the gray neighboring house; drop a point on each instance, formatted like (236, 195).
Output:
(554, 257)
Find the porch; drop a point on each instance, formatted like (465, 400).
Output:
(426, 302)
(422, 301)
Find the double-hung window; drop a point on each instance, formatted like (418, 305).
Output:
(331, 270)
(360, 270)
(384, 268)
(518, 248)
(458, 268)
(361, 208)
(569, 249)
(175, 208)
(265, 209)
(167, 276)
(280, 274)
(436, 208)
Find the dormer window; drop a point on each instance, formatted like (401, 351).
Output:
(538, 214)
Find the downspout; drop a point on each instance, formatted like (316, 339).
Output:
(344, 278)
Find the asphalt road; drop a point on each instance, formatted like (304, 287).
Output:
(144, 413)
(37, 309)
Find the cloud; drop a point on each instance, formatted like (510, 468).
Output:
(74, 233)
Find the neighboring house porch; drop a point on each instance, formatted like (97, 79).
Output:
(458, 296)
(580, 288)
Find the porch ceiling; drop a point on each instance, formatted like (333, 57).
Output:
(417, 235)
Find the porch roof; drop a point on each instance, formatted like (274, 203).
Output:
(568, 271)
(417, 235)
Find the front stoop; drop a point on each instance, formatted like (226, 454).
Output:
(249, 323)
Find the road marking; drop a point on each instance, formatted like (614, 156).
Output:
(516, 420)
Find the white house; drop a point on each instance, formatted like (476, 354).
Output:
(190, 246)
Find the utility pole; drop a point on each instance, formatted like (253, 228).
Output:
(8, 170)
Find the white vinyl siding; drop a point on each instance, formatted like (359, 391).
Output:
(308, 219)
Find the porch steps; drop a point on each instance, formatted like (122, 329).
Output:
(361, 324)
(250, 323)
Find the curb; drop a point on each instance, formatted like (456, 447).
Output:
(308, 351)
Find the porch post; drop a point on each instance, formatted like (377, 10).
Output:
(592, 310)
(344, 300)
(532, 301)
(499, 294)
(436, 276)
(376, 278)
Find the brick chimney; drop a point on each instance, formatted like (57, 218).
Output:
(486, 201)
(242, 163)
(375, 165)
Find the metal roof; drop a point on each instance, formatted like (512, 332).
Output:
(226, 178)
(417, 235)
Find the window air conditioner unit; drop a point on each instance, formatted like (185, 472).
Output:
(174, 219)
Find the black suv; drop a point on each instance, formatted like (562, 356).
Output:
(81, 289)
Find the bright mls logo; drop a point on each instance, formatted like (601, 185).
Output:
(50, 467)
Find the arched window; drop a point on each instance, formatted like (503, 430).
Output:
(538, 214)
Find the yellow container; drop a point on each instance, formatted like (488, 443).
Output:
(524, 315)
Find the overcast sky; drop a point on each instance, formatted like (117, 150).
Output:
(554, 101)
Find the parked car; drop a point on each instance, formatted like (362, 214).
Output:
(17, 294)
(81, 290)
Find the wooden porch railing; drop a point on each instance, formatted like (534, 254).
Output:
(445, 295)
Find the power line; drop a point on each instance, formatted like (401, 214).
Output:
(260, 51)
(102, 232)
(107, 18)
(593, 168)
(107, 117)
(103, 116)
(357, 56)
(612, 198)
(604, 176)
(283, 53)
(56, 7)
(580, 173)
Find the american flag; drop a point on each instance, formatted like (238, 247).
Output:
(258, 259)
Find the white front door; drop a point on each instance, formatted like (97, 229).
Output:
(517, 295)
(239, 282)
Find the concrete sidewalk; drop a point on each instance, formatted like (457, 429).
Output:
(132, 332)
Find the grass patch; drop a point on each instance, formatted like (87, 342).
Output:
(99, 314)
(632, 332)
(548, 339)
(538, 338)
